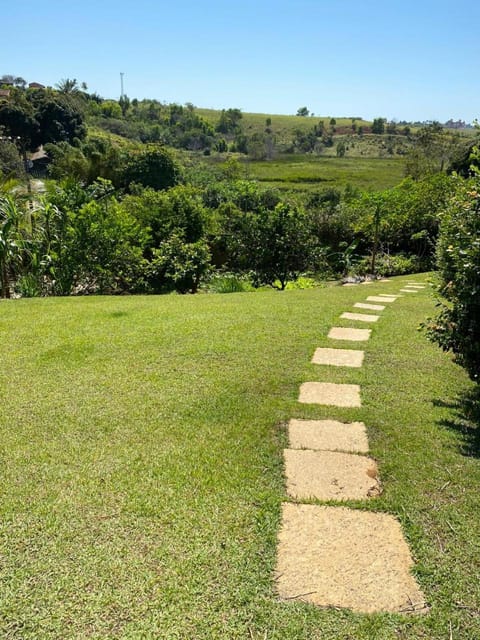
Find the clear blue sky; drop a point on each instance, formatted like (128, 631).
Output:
(405, 60)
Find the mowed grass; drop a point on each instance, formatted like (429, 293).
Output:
(142, 474)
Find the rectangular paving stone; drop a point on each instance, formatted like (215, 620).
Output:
(338, 357)
(330, 393)
(340, 557)
(373, 307)
(409, 290)
(330, 475)
(348, 333)
(328, 435)
(380, 299)
(362, 317)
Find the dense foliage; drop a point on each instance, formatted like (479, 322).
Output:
(128, 204)
(457, 327)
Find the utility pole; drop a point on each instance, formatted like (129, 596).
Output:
(121, 84)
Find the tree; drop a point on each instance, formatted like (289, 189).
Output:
(179, 265)
(11, 164)
(229, 121)
(18, 121)
(303, 112)
(378, 126)
(274, 244)
(341, 149)
(68, 86)
(58, 116)
(434, 146)
(152, 166)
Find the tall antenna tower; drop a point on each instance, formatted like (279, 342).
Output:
(121, 84)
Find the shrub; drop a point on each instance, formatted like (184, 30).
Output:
(457, 326)
(390, 265)
(228, 283)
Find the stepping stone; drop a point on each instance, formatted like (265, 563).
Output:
(416, 286)
(409, 290)
(330, 393)
(380, 299)
(346, 333)
(339, 557)
(338, 357)
(366, 282)
(329, 435)
(330, 475)
(389, 295)
(365, 305)
(363, 317)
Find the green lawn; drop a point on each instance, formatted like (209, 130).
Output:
(142, 476)
(314, 172)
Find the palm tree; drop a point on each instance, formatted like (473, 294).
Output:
(66, 85)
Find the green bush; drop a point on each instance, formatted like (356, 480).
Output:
(457, 326)
(228, 283)
(387, 264)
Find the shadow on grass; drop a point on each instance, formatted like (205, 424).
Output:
(465, 420)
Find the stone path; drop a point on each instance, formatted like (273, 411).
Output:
(332, 555)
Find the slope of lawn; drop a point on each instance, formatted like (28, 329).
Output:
(142, 476)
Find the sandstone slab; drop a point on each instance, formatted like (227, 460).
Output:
(328, 435)
(365, 305)
(339, 557)
(330, 475)
(347, 333)
(338, 357)
(330, 393)
(381, 299)
(362, 317)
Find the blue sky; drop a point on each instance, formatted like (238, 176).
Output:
(405, 60)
